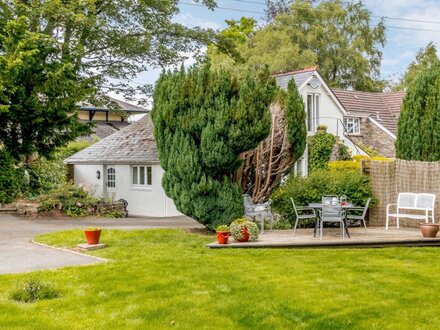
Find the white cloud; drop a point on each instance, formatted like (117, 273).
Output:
(190, 20)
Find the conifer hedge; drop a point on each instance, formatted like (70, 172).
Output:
(203, 120)
(418, 134)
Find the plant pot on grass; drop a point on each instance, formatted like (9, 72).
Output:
(429, 229)
(222, 234)
(92, 235)
(244, 230)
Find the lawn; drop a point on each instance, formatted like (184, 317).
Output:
(159, 279)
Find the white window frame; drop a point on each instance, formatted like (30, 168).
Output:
(139, 180)
(312, 108)
(352, 125)
(111, 177)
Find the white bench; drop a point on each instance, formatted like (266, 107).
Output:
(407, 203)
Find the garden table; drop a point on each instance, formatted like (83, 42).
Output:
(318, 207)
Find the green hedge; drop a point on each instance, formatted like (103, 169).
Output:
(11, 179)
(305, 190)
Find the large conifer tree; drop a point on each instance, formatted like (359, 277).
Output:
(203, 121)
(418, 135)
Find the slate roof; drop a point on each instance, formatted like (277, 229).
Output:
(382, 107)
(300, 76)
(134, 144)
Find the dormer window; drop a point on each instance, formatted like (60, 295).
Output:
(352, 125)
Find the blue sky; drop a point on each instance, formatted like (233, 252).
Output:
(399, 51)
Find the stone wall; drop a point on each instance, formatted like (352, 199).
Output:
(375, 138)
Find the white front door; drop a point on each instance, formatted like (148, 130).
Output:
(110, 181)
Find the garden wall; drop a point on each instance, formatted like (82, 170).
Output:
(390, 178)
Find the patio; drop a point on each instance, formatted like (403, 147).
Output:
(377, 237)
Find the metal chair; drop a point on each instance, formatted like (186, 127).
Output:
(299, 216)
(358, 216)
(261, 211)
(331, 213)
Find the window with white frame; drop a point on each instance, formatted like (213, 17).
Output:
(141, 176)
(352, 125)
(111, 177)
(312, 112)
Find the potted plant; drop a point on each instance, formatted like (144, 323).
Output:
(429, 229)
(222, 234)
(244, 230)
(92, 235)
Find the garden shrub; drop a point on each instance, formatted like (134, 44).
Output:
(74, 201)
(305, 190)
(49, 174)
(34, 290)
(344, 152)
(344, 165)
(320, 149)
(11, 179)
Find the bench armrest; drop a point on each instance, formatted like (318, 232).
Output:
(389, 205)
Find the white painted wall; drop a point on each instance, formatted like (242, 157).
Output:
(86, 174)
(330, 115)
(149, 201)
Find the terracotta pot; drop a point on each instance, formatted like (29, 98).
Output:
(222, 237)
(92, 236)
(429, 229)
(245, 233)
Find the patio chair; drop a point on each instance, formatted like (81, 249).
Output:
(331, 213)
(302, 213)
(359, 214)
(258, 211)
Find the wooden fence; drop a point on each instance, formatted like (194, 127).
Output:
(390, 178)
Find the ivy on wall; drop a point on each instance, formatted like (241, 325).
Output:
(320, 148)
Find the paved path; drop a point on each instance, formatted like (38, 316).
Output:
(18, 254)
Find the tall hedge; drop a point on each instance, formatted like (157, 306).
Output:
(203, 120)
(418, 134)
(11, 178)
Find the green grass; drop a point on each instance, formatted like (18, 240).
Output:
(161, 279)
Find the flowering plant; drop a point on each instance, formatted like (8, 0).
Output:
(222, 228)
(93, 229)
(238, 227)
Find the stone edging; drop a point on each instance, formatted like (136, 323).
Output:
(67, 250)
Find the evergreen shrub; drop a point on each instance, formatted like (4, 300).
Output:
(418, 133)
(203, 120)
(11, 179)
(310, 189)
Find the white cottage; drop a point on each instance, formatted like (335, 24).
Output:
(322, 108)
(126, 165)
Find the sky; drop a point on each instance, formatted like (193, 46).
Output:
(404, 36)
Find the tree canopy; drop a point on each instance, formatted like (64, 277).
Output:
(38, 93)
(425, 59)
(337, 36)
(418, 134)
(55, 54)
(203, 121)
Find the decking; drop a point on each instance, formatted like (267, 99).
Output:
(377, 237)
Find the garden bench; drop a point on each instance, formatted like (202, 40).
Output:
(411, 206)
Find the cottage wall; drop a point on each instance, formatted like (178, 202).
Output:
(86, 175)
(149, 201)
(375, 138)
